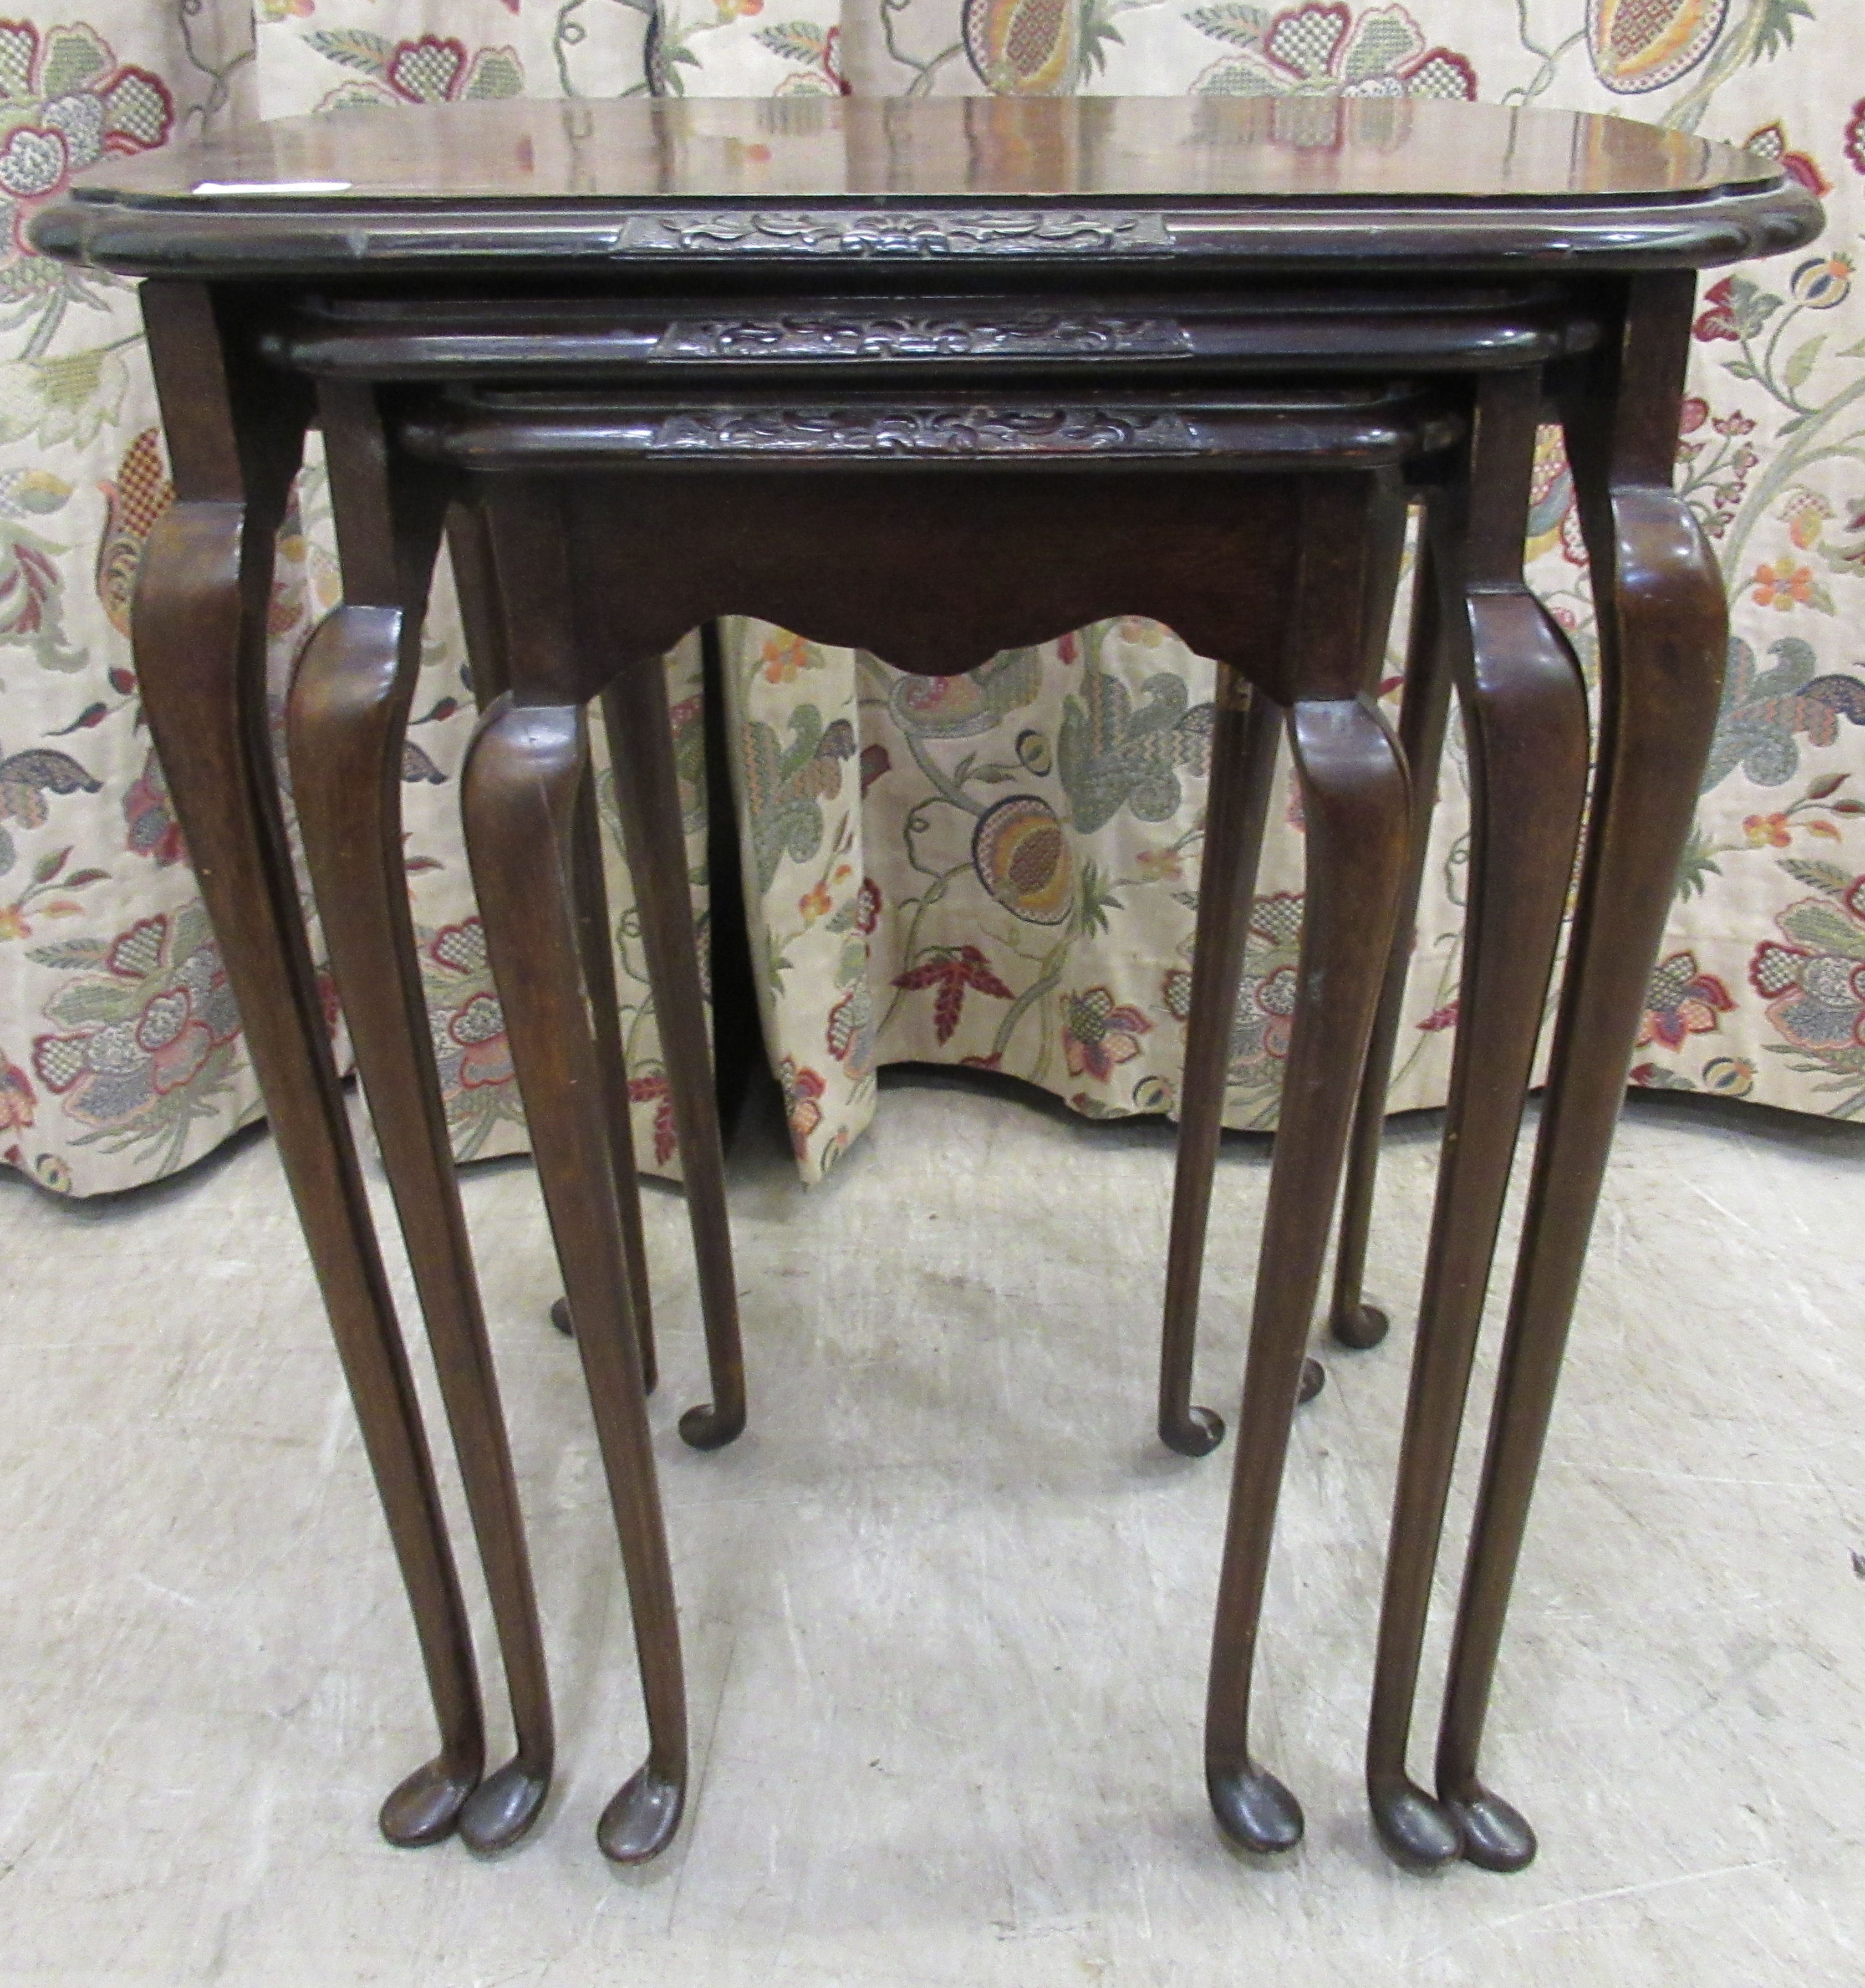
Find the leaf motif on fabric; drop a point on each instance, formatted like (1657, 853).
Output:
(495, 72)
(1824, 927)
(417, 769)
(69, 955)
(962, 707)
(1382, 40)
(1109, 755)
(952, 971)
(797, 40)
(1765, 711)
(355, 48)
(26, 778)
(1820, 875)
(1233, 21)
(784, 786)
(74, 55)
(84, 1003)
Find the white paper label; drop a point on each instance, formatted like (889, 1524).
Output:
(285, 188)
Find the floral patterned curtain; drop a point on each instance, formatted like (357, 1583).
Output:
(999, 869)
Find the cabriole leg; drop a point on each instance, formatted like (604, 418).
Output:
(482, 618)
(347, 721)
(1422, 711)
(595, 939)
(200, 638)
(1663, 636)
(647, 795)
(522, 782)
(1354, 799)
(1243, 748)
(1525, 723)
(1244, 745)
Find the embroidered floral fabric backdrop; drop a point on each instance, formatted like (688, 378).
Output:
(1001, 868)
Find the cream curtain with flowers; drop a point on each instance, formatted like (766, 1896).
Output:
(999, 869)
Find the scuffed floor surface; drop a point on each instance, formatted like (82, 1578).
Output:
(946, 1604)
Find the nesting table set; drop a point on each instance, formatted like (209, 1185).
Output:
(937, 379)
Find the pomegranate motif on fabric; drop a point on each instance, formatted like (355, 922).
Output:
(1023, 48)
(1641, 44)
(137, 496)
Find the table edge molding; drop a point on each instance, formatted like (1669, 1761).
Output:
(254, 239)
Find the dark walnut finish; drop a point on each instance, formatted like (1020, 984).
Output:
(645, 363)
(234, 441)
(658, 189)
(1255, 561)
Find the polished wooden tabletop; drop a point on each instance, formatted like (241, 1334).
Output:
(1274, 178)
(955, 148)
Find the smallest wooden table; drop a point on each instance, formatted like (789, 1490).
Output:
(1042, 361)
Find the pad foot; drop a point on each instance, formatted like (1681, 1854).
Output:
(503, 1807)
(1497, 1836)
(1254, 1810)
(426, 1807)
(1360, 1326)
(639, 1823)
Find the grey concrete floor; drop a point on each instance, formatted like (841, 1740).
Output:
(946, 1604)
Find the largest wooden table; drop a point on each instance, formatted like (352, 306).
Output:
(997, 298)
